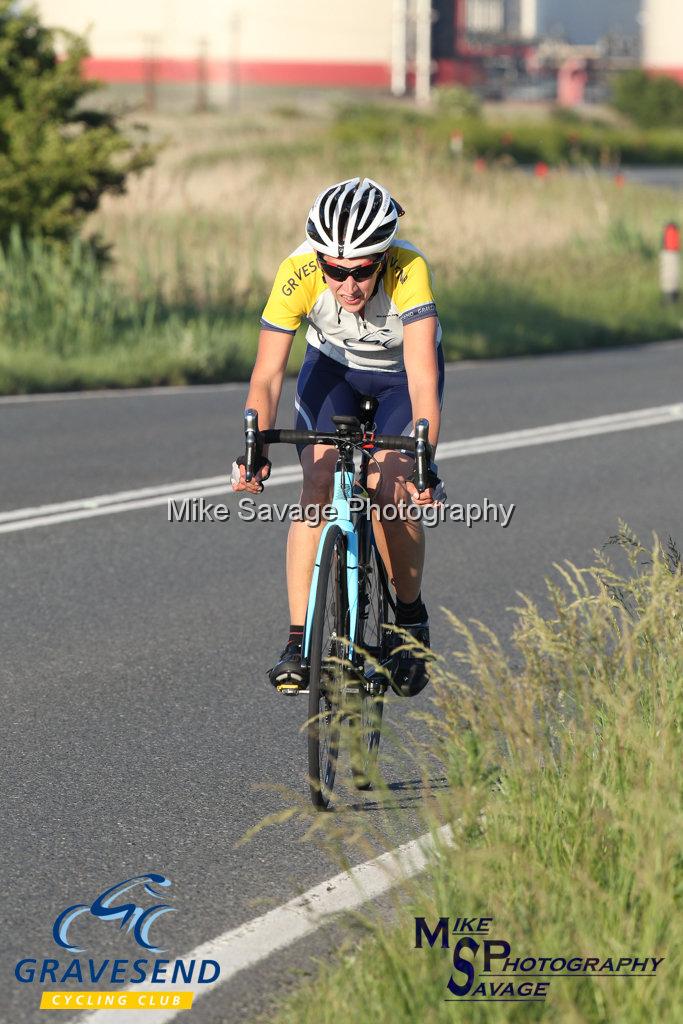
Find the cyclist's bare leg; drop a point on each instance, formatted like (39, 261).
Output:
(318, 462)
(400, 543)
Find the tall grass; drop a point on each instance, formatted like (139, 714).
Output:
(563, 768)
(65, 323)
(520, 265)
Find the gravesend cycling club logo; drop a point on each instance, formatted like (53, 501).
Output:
(105, 908)
(485, 968)
(134, 906)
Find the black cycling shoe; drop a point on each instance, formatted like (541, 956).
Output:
(408, 668)
(288, 676)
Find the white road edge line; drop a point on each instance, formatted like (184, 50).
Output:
(154, 392)
(169, 390)
(243, 947)
(148, 497)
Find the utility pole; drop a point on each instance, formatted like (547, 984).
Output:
(234, 33)
(398, 47)
(423, 51)
(202, 102)
(150, 71)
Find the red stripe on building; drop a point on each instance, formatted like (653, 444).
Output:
(367, 75)
(165, 69)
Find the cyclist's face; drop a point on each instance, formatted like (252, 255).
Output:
(352, 295)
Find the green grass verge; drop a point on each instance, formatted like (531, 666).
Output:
(582, 297)
(65, 325)
(563, 763)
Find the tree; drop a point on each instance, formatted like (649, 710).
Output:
(57, 157)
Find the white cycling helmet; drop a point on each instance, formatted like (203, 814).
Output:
(353, 218)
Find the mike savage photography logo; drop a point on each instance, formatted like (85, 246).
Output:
(485, 968)
(125, 905)
(199, 510)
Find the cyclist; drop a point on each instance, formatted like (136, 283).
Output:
(372, 330)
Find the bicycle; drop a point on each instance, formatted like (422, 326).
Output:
(349, 600)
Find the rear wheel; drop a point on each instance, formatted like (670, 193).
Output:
(368, 705)
(328, 668)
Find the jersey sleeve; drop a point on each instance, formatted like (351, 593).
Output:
(413, 289)
(286, 305)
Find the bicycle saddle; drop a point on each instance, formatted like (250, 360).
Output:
(351, 422)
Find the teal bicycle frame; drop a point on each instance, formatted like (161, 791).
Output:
(341, 502)
(356, 435)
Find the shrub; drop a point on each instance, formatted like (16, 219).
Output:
(398, 129)
(649, 101)
(457, 101)
(57, 157)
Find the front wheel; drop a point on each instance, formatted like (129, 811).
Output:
(327, 668)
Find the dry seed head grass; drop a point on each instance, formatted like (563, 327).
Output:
(242, 212)
(591, 660)
(565, 805)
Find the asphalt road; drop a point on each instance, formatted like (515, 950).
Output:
(652, 176)
(138, 729)
(655, 177)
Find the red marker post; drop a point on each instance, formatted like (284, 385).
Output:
(457, 144)
(670, 263)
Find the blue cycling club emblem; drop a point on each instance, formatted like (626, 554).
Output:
(105, 907)
(135, 905)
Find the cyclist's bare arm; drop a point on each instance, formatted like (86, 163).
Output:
(265, 388)
(420, 360)
(268, 374)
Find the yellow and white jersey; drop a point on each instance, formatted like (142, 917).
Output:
(371, 340)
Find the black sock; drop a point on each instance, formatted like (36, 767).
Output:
(296, 634)
(410, 614)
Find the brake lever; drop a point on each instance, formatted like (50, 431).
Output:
(421, 454)
(251, 442)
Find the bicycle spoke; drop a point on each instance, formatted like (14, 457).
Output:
(366, 720)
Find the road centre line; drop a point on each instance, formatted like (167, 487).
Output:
(148, 497)
(109, 499)
(244, 947)
(609, 424)
(127, 501)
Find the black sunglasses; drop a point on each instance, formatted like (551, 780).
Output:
(357, 273)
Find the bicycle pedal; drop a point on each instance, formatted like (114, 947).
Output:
(289, 688)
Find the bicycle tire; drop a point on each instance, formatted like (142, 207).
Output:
(367, 709)
(326, 669)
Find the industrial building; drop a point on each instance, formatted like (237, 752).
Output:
(662, 25)
(376, 45)
(261, 41)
